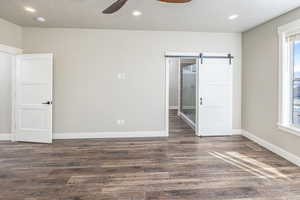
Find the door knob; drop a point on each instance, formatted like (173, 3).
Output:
(47, 103)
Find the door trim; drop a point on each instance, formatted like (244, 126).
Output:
(167, 96)
(10, 50)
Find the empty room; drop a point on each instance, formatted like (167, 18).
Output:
(149, 100)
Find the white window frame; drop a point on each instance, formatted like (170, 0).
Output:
(285, 72)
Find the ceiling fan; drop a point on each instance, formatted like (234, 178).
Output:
(120, 3)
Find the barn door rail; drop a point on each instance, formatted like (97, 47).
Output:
(201, 56)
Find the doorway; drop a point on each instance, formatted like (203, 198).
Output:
(204, 92)
(182, 96)
(188, 91)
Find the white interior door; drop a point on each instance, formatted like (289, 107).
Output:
(34, 83)
(215, 98)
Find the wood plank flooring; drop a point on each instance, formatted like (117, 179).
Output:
(181, 167)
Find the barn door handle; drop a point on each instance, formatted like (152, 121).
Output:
(47, 103)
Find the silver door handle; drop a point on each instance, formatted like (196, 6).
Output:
(201, 101)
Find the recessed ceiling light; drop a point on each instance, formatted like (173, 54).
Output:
(29, 9)
(136, 13)
(232, 17)
(40, 19)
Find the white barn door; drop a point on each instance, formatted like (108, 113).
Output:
(33, 107)
(215, 98)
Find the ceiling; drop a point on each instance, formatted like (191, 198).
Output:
(198, 15)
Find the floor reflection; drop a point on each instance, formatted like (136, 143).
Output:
(253, 166)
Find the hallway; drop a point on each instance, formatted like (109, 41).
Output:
(178, 127)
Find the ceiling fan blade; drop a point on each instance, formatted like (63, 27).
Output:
(175, 1)
(114, 7)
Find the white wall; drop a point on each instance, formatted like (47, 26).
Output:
(10, 34)
(260, 84)
(88, 97)
(174, 83)
(5, 93)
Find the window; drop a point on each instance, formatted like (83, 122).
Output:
(295, 48)
(289, 78)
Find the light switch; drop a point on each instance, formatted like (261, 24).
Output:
(121, 76)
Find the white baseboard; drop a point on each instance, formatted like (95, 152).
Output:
(5, 136)
(187, 120)
(211, 133)
(173, 107)
(275, 149)
(188, 107)
(237, 132)
(99, 135)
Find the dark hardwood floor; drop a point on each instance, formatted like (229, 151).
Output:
(179, 167)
